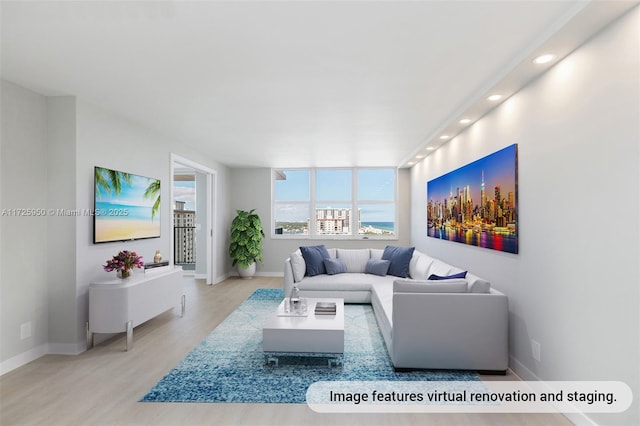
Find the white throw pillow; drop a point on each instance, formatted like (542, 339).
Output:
(419, 266)
(298, 265)
(376, 254)
(354, 259)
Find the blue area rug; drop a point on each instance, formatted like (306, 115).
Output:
(229, 366)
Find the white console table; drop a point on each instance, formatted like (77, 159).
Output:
(121, 304)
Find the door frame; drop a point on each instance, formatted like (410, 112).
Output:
(211, 204)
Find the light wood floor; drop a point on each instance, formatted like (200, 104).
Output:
(102, 386)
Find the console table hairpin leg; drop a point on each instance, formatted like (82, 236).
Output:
(129, 328)
(129, 325)
(89, 336)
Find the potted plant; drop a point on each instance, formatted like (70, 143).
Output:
(246, 242)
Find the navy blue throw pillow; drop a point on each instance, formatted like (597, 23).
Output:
(399, 258)
(377, 267)
(435, 277)
(335, 266)
(314, 257)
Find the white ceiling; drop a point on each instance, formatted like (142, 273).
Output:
(279, 84)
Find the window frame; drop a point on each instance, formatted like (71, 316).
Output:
(354, 204)
(272, 224)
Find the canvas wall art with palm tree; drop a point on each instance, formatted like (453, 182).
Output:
(127, 206)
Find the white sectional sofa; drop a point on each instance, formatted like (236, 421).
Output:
(455, 323)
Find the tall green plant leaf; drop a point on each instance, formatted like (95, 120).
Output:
(246, 238)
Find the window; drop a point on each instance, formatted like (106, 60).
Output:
(377, 202)
(291, 202)
(334, 203)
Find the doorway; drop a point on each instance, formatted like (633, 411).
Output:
(186, 220)
(193, 197)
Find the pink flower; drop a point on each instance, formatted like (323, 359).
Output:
(124, 261)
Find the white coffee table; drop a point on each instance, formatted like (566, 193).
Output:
(311, 335)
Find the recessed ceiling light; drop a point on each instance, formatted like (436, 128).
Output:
(495, 97)
(444, 137)
(419, 156)
(411, 163)
(465, 121)
(543, 59)
(430, 148)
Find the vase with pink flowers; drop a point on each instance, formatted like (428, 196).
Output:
(123, 263)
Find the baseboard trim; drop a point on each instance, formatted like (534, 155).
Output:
(260, 274)
(23, 359)
(270, 274)
(526, 374)
(40, 351)
(521, 370)
(221, 278)
(66, 348)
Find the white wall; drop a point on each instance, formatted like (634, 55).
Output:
(49, 149)
(251, 189)
(223, 217)
(573, 286)
(110, 141)
(61, 235)
(23, 247)
(201, 221)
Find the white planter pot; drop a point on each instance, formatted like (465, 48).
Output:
(248, 272)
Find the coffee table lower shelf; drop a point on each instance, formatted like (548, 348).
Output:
(311, 336)
(333, 360)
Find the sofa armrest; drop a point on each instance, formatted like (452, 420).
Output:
(447, 330)
(288, 277)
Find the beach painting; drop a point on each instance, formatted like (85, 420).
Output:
(477, 204)
(127, 206)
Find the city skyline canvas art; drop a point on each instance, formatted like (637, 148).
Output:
(477, 204)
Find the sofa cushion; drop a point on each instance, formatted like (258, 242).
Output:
(400, 258)
(335, 266)
(438, 267)
(354, 259)
(422, 286)
(297, 265)
(382, 303)
(377, 254)
(314, 259)
(434, 277)
(478, 285)
(377, 267)
(419, 266)
(339, 282)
